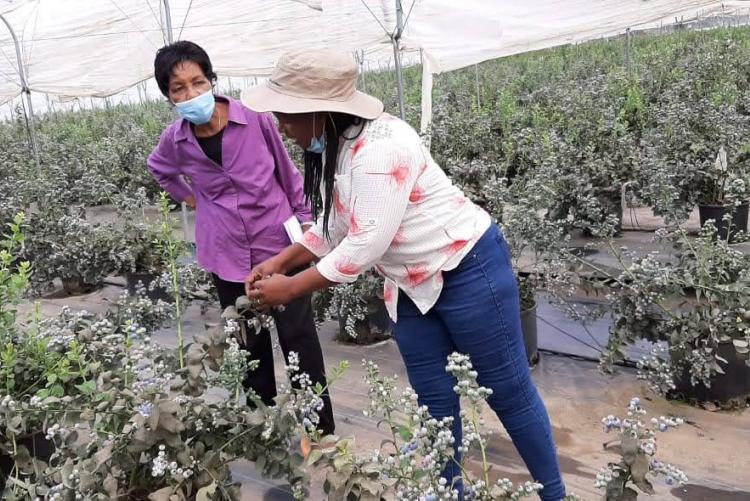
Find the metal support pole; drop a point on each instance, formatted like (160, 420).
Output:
(168, 22)
(359, 55)
(30, 125)
(362, 70)
(395, 39)
(627, 50)
(169, 39)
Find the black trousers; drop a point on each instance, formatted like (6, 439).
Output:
(297, 333)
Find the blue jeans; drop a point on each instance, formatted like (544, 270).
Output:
(478, 314)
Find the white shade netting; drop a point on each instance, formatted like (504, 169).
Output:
(74, 48)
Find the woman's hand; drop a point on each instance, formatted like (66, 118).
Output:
(278, 289)
(271, 291)
(269, 267)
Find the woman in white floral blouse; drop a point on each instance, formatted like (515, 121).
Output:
(381, 201)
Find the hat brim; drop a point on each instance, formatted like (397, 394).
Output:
(262, 98)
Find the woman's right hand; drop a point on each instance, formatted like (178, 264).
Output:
(267, 268)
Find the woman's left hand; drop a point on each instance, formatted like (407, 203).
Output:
(272, 291)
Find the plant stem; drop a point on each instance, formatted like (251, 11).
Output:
(485, 466)
(128, 344)
(177, 309)
(15, 465)
(226, 444)
(218, 485)
(684, 238)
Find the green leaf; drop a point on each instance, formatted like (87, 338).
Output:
(161, 495)
(67, 472)
(404, 433)
(87, 388)
(102, 457)
(71, 438)
(23, 460)
(86, 481)
(629, 495)
(23, 485)
(242, 303)
(202, 339)
(314, 457)
(337, 479)
(205, 493)
(230, 313)
(370, 490)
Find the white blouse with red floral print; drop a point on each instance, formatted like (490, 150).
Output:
(395, 209)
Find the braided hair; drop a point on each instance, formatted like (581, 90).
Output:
(317, 172)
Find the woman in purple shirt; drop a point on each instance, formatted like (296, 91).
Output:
(243, 187)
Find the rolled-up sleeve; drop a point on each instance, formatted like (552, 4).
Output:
(287, 174)
(162, 162)
(315, 241)
(382, 178)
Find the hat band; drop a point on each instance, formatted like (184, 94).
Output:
(333, 96)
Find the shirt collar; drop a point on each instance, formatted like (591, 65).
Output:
(236, 115)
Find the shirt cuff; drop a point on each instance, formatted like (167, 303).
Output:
(180, 191)
(314, 243)
(304, 217)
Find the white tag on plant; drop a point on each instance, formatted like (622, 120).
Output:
(721, 160)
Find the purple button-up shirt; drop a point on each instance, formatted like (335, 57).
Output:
(241, 205)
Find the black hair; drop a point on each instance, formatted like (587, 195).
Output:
(175, 53)
(316, 172)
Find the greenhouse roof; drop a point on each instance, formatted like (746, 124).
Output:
(73, 48)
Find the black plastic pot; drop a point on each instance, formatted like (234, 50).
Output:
(377, 327)
(528, 326)
(734, 384)
(132, 279)
(716, 212)
(38, 446)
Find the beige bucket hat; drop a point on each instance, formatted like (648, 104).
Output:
(306, 81)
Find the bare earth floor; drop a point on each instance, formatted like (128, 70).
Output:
(712, 448)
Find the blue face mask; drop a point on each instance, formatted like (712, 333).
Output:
(199, 109)
(318, 144)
